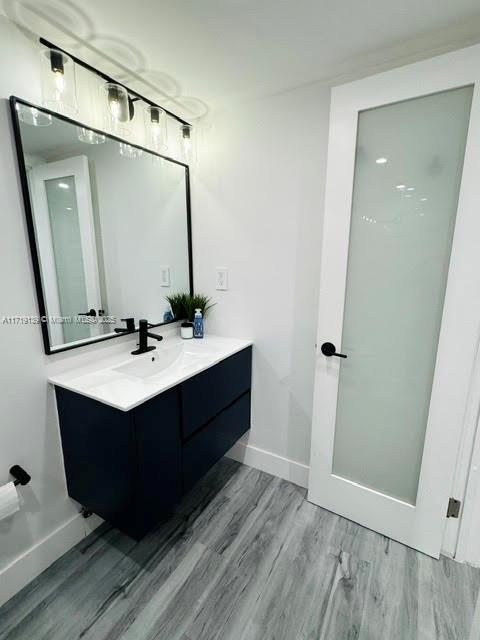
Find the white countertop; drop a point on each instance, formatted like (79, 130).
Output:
(124, 381)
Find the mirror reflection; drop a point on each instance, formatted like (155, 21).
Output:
(111, 230)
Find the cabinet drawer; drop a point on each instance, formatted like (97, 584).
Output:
(208, 393)
(214, 440)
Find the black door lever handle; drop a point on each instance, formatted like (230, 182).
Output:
(328, 349)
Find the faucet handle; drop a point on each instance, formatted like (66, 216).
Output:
(130, 325)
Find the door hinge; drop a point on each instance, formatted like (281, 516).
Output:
(453, 510)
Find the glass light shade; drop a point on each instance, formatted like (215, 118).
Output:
(156, 128)
(128, 151)
(59, 90)
(119, 108)
(188, 144)
(33, 117)
(90, 137)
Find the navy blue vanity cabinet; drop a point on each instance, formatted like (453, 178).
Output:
(132, 467)
(123, 466)
(209, 444)
(215, 413)
(211, 391)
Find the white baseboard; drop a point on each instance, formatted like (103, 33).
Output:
(269, 462)
(31, 563)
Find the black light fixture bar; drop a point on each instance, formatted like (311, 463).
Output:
(108, 78)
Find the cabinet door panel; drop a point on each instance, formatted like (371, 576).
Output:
(158, 486)
(99, 455)
(214, 440)
(209, 392)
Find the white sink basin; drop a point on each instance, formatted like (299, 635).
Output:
(153, 363)
(124, 381)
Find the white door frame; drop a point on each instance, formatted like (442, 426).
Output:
(461, 540)
(78, 168)
(422, 526)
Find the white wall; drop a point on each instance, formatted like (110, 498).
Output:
(258, 207)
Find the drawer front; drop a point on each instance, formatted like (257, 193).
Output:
(203, 450)
(205, 395)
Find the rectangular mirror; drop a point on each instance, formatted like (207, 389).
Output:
(109, 227)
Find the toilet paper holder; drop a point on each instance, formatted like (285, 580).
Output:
(20, 475)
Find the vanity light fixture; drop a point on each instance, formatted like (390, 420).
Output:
(120, 108)
(156, 128)
(119, 103)
(89, 136)
(187, 143)
(58, 81)
(381, 160)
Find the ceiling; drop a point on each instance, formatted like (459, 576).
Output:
(199, 54)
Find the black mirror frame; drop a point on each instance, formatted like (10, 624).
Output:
(14, 101)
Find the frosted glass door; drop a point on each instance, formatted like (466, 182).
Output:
(68, 257)
(65, 232)
(408, 169)
(399, 297)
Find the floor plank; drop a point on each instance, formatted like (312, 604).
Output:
(245, 557)
(247, 564)
(293, 586)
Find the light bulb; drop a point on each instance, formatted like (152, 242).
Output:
(59, 82)
(155, 128)
(156, 132)
(120, 109)
(187, 146)
(115, 109)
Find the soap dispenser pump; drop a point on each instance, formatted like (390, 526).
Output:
(198, 324)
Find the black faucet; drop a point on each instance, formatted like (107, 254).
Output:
(130, 326)
(144, 334)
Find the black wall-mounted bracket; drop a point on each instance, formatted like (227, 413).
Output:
(20, 475)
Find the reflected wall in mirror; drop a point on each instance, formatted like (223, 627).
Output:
(109, 227)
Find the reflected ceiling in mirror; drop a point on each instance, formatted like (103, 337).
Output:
(109, 227)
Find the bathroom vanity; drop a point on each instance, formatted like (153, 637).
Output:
(139, 433)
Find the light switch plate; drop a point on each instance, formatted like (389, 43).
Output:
(164, 276)
(222, 279)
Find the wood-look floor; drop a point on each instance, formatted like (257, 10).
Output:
(246, 557)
